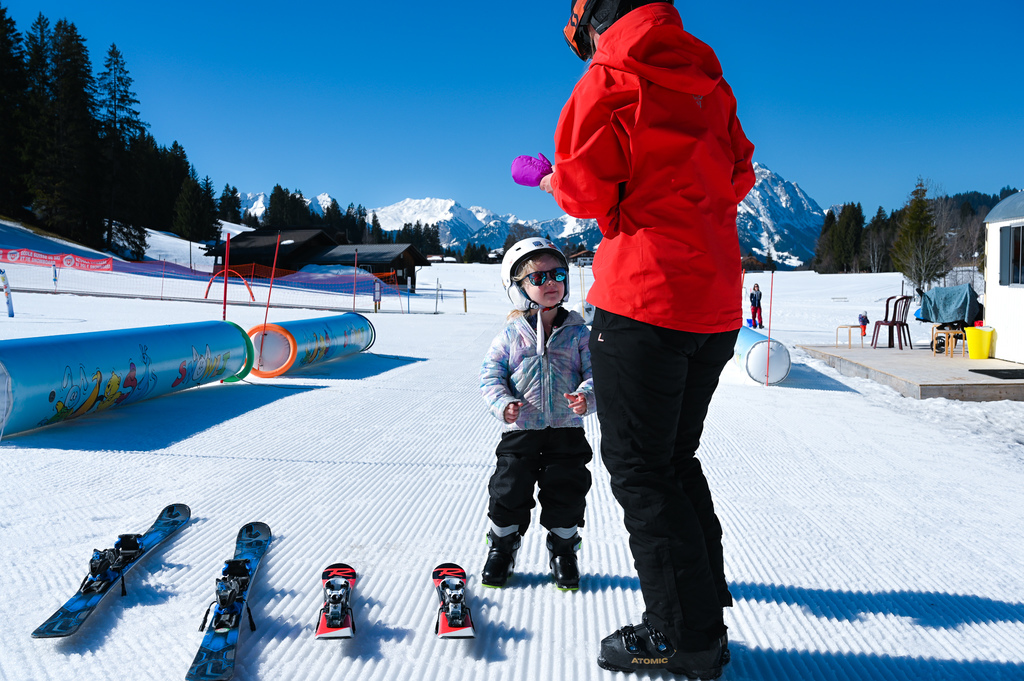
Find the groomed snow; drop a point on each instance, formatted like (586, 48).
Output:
(867, 536)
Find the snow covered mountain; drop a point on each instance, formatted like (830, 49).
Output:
(254, 203)
(257, 203)
(776, 215)
(456, 225)
(459, 226)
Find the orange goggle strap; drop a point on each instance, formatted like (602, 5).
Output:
(577, 38)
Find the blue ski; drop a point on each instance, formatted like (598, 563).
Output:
(107, 567)
(215, 660)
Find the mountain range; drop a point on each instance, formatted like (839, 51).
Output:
(776, 218)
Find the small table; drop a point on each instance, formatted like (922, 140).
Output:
(849, 334)
(950, 335)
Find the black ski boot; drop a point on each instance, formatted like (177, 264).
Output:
(564, 568)
(642, 647)
(501, 558)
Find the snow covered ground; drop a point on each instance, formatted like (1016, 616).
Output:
(867, 536)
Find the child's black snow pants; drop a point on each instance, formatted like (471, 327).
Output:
(653, 387)
(553, 459)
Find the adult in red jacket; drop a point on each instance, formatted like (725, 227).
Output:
(649, 145)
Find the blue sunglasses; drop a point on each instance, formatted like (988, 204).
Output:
(558, 274)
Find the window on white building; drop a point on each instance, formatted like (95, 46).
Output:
(1011, 255)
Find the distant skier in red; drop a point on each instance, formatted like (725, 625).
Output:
(755, 308)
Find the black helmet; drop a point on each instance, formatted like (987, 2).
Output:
(597, 13)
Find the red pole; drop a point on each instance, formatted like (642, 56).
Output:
(227, 249)
(354, 282)
(768, 362)
(273, 271)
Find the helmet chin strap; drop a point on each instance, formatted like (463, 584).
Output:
(540, 323)
(540, 328)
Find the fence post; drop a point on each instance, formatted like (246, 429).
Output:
(464, 308)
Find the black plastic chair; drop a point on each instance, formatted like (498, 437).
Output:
(897, 325)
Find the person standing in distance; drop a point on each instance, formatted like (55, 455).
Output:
(650, 146)
(756, 320)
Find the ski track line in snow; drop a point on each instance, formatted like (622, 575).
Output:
(848, 559)
(813, 490)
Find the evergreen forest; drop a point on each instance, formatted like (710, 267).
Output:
(926, 239)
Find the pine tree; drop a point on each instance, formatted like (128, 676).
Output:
(209, 228)
(38, 146)
(276, 216)
(195, 211)
(118, 116)
(824, 258)
(68, 202)
(919, 250)
(846, 238)
(876, 243)
(377, 235)
(13, 87)
(119, 125)
(229, 207)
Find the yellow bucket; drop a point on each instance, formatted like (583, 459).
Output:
(979, 341)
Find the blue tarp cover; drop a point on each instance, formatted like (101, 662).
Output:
(950, 304)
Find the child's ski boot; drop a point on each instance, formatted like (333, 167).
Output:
(501, 558)
(564, 567)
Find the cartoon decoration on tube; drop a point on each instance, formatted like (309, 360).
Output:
(44, 381)
(294, 345)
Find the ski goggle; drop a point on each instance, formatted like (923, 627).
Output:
(577, 35)
(558, 274)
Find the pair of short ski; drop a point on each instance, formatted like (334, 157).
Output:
(339, 581)
(215, 660)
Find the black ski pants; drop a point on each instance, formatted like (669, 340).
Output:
(653, 387)
(553, 459)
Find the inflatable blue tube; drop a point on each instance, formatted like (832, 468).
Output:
(48, 380)
(282, 347)
(765, 361)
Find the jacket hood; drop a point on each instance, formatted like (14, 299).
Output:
(650, 41)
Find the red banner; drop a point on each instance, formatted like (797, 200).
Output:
(26, 257)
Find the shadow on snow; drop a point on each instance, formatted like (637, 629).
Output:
(927, 609)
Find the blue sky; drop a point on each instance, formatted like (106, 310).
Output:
(378, 102)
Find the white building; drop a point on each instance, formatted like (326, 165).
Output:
(1004, 277)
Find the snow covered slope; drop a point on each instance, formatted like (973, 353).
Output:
(867, 536)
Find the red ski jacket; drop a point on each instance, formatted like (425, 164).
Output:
(649, 145)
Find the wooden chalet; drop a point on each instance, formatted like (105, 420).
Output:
(380, 259)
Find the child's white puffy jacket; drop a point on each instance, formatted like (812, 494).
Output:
(513, 372)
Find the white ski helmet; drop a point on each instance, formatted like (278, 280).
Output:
(515, 256)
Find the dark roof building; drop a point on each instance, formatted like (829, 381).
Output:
(387, 255)
(402, 259)
(258, 246)
(301, 247)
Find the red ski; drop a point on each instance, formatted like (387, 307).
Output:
(335, 619)
(453, 618)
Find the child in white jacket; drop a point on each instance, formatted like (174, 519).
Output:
(536, 378)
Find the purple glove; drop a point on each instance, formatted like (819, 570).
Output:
(528, 171)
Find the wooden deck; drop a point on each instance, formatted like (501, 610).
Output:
(916, 373)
